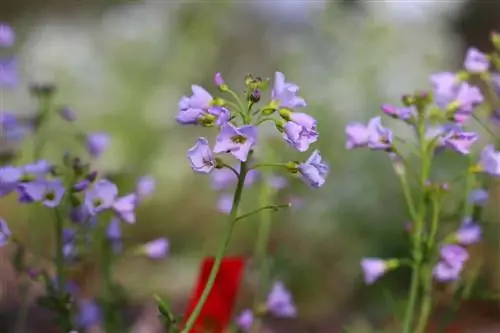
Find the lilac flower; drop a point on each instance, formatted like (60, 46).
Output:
(402, 113)
(225, 203)
(285, 93)
(114, 234)
(8, 73)
(224, 178)
(277, 182)
(280, 301)
(10, 127)
(69, 244)
(445, 272)
(245, 320)
(299, 137)
(37, 170)
(201, 156)
(49, 192)
(198, 109)
(460, 141)
(4, 232)
(218, 80)
(79, 214)
(156, 249)
(469, 233)
(89, 314)
(448, 90)
(314, 170)
(221, 114)
(373, 269)
(357, 135)
(67, 114)
(145, 187)
(476, 61)
(9, 179)
(490, 161)
(380, 138)
(97, 143)
(101, 196)
(7, 35)
(478, 196)
(124, 207)
(237, 141)
(454, 254)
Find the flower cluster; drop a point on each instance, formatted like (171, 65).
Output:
(238, 129)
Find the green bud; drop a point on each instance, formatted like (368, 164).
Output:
(285, 114)
(292, 166)
(495, 39)
(392, 264)
(280, 125)
(267, 111)
(218, 163)
(218, 101)
(208, 120)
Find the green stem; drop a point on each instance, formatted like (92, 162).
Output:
(221, 252)
(107, 276)
(61, 276)
(271, 208)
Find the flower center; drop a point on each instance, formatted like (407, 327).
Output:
(50, 195)
(384, 139)
(207, 162)
(239, 139)
(97, 202)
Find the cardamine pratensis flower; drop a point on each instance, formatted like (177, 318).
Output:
(490, 161)
(156, 249)
(379, 138)
(89, 313)
(145, 187)
(37, 170)
(114, 235)
(373, 269)
(357, 135)
(9, 179)
(245, 320)
(314, 170)
(97, 143)
(236, 141)
(7, 35)
(299, 136)
(284, 94)
(225, 203)
(215, 315)
(476, 61)
(9, 77)
(404, 113)
(199, 109)
(478, 197)
(4, 232)
(224, 178)
(201, 156)
(49, 192)
(452, 261)
(104, 195)
(469, 232)
(67, 114)
(280, 301)
(460, 141)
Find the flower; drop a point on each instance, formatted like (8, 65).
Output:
(7, 35)
(156, 249)
(460, 141)
(402, 113)
(490, 160)
(9, 77)
(450, 93)
(218, 80)
(67, 114)
(114, 234)
(237, 141)
(199, 109)
(284, 93)
(37, 170)
(9, 178)
(357, 135)
(373, 269)
(280, 301)
(89, 313)
(97, 143)
(49, 192)
(124, 207)
(215, 315)
(101, 196)
(476, 61)
(145, 187)
(478, 196)
(4, 232)
(469, 233)
(245, 320)
(277, 182)
(445, 272)
(224, 178)
(225, 203)
(299, 137)
(201, 156)
(314, 170)
(454, 254)
(379, 137)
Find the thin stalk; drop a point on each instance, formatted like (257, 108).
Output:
(221, 251)
(110, 323)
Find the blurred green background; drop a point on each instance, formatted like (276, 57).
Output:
(123, 65)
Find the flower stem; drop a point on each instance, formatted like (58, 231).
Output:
(61, 276)
(269, 208)
(110, 319)
(221, 252)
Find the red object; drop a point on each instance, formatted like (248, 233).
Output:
(216, 314)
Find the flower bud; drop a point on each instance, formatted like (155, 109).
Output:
(219, 82)
(495, 39)
(254, 96)
(285, 114)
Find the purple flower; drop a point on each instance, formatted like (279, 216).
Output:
(7, 35)
(299, 137)
(67, 114)
(490, 161)
(114, 234)
(373, 269)
(445, 272)
(357, 135)
(460, 141)
(225, 203)
(97, 143)
(79, 214)
(277, 182)
(237, 141)
(449, 91)
(125, 206)
(221, 114)
(314, 170)
(380, 138)
(280, 301)
(224, 178)
(156, 249)
(469, 233)
(218, 80)
(201, 156)
(197, 109)
(478, 196)
(4, 232)
(402, 113)
(145, 187)
(285, 93)
(9, 179)
(101, 196)
(476, 61)
(8, 73)
(245, 320)
(89, 313)
(69, 244)
(49, 192)
(37, 170)
(454, 254)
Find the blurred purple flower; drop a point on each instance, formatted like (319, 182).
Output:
(277, 182)
(449, 91)
(37, 170)
(460, 141)
(314, 170)
(218, 80)
(124, 207)
(478, 196)
(7, 35)
(380, 138)
(445, 272)
(97, 143)
(237, 141)
(299, 137)
(67, 114)
(245, 320)
(114, 234)
(49, 192)
(280, 301)
(373, 269)
(469, 232)
(89, 313)
(357, 135)
(402, 113)
(201, 157)
(285, 93)
(476, 61)
(454, 254)
(224, 178)
(4, 232)
(9, 179)
(490, 161)
(9, 77)
(156, 249)
(225, 203)
(145, 187)
(101, 196)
